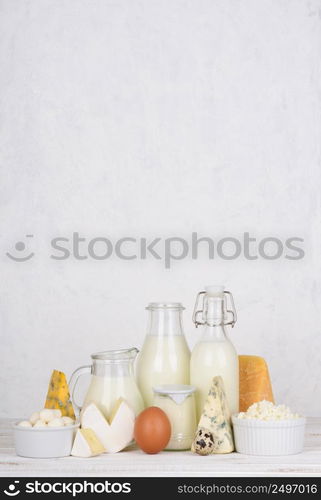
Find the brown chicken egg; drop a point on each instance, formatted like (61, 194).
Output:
(152, 430)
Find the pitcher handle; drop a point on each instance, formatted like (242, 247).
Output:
(83, 370)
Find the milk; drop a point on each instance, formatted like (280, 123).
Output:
(212, 357)
(104, 392)
(164, 359)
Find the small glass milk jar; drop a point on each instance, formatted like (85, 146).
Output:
(178, 402)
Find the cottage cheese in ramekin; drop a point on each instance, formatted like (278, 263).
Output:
(267, 429)
(265, 410)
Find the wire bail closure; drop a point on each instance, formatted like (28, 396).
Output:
(230, 316)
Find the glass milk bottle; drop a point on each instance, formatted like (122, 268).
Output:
(215, 354)
(165, 356)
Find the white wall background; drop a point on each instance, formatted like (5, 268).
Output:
(158, 118)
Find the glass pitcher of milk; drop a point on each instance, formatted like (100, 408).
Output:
(215, 354)
(165, 356)
(112, 377)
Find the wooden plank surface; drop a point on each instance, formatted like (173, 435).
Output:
(136, 463)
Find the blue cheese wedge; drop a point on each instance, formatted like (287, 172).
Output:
(214, 432)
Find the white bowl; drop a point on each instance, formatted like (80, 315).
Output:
(44, 442)
(269, 437)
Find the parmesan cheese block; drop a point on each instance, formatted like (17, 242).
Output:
(214, 432)
(255, 384)
(58, 396)
(116, 434)
(86, 444)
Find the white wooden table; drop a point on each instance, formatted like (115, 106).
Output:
(136, 463)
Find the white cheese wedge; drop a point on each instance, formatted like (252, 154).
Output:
(116, 434)
(214, 432)
(86, 444)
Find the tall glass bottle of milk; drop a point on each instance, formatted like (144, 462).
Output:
(165, 356)
(215, 354)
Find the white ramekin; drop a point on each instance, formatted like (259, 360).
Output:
(269, 437)
(44, 442)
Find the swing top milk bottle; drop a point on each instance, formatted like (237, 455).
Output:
(165, 356)
(215, 354)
